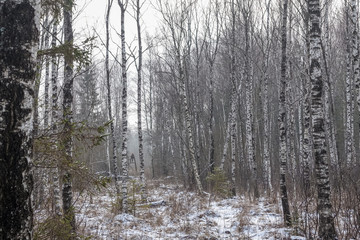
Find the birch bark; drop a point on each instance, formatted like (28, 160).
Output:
(54, 122)
(175, 20)
(211, 49)
(329, 113)
(355, 57)
(282, 119)
(19, 24)
(67, 193)
(233, 100)
(139, 111)
(111, 118)
(349, 141)
(47, 71)
(124, 150)
(267, 163)
(326, 220)
(249, 105)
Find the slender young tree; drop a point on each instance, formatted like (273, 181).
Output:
(267, 162)
(211, 50)
(306, 141)
(328, 95)
(326, 220)
(47, 71)
(54, 121)
(355, 55)
(138, 5)
(349, 140)
(233, 98)
(18, 49)
(107, 70)
(39, 172)
(248, 72)
(226, 140)
(282, 119)
(67, 192)
(124, 150)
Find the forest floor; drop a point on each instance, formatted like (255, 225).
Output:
(173, 213)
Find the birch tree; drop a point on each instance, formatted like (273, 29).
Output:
(138, 5)
(233, 98)
(124, 150)
(267, 162)
(211, 50)
(355, 55)
(47, 71)
(54, 120)
(109, 107)
(328, 94)
(175, 20)
(349, 140)
(282, 119)
(19, 24)
(248, 70)
(326, 220)
(67, 192)
(306, 141)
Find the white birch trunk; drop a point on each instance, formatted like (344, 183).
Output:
(54, 122)
(190, 135)
(233, 140)
(348, 125)
(300, 120)
(228, 126)
(227, 139)
(329, 114)
(124, 150)
(326, 220)
(139, 111)
(67, 194)
(110, 116)
(42, 173)
(233, 101)
(282, 119)
(355, 58)
(250, 146)
(47, 71)
(291, 136)
(267, 160)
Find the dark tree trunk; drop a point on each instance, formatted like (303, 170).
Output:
(18, 46)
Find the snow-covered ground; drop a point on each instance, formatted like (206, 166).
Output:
(181, 215)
